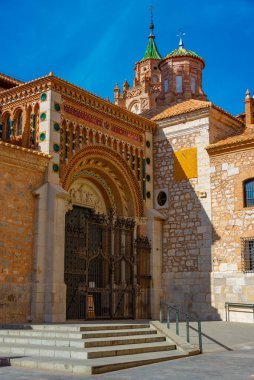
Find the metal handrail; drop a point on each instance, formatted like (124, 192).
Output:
(188, 318)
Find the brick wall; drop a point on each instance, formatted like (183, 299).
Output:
(22, 171)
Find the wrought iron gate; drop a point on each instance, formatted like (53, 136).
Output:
(99, 265)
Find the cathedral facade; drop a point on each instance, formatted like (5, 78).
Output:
(108, 208)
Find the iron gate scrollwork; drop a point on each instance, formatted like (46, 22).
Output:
(99, 265)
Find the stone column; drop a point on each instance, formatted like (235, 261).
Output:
(154, 231)
(49, 289)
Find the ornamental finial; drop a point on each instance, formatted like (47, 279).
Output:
(180, 34)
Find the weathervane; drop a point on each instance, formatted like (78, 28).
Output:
(180, 34)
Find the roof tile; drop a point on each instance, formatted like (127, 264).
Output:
(183, 107)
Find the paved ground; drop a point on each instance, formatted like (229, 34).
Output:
(221, 336)
(219, 361)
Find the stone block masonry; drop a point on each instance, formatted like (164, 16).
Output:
(187, 230)
(231, 221)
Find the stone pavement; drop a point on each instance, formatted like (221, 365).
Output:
(219, 361)
(220, 336)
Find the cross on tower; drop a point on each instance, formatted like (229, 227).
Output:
(180, 34)
(151, 24)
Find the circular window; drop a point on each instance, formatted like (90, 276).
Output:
(148, 144)
(162, 198)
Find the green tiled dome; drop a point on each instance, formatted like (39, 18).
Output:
(184, 53)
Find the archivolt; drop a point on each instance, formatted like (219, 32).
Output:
(103, 159)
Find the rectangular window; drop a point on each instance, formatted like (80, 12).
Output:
(247, 254)
(249, 193)
(193, 85)
(179, 83)
(166, 85)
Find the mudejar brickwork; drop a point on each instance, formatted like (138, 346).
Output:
(108, 208)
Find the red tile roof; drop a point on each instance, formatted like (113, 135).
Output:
(187, 107)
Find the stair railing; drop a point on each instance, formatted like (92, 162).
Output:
(177, 313)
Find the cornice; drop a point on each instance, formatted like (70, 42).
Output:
(20, 156)
(11, 80)
(183, 130)
(71, 91)
(230, 147)
(105, 107)
(25, 91)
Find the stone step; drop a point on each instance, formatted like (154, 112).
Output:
(77, 335)
(95, 366)
(134, 339)
(80, 343)
(45, 327)
(119, 333)
(75, 327)
(77, 353)
(114, 327)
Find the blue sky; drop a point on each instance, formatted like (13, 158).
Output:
(95, 43)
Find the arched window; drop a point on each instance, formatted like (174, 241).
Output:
(249, 192)
(19, 124)
(8, 128)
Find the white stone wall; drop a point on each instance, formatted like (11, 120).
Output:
(187, 230)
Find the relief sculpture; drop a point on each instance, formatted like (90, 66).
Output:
(81, 195)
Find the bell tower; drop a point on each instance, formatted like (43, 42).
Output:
(147, 82)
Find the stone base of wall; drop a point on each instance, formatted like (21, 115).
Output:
(15, 303)
(191, 292)
(233, 287)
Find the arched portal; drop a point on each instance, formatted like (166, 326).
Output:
(110, 173)
(100, 252)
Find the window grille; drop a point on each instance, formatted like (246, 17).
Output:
(247, 254)
(249, 192)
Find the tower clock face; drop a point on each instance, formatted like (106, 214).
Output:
(135, 108)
